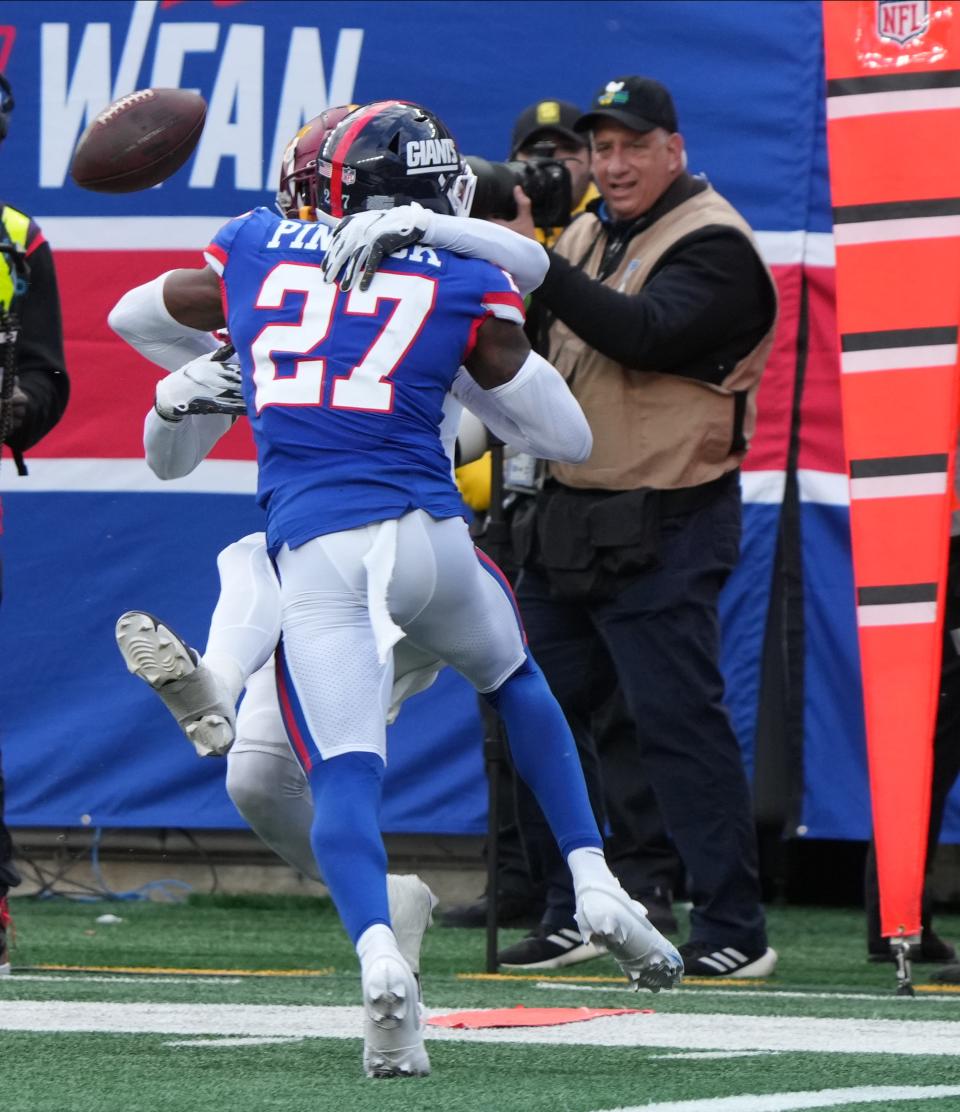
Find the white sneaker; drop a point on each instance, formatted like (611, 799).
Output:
(610, 917)
(189, 689)
(411, 913)
(393, 1029)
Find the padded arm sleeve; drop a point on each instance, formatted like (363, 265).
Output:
(534, 412)
(174, 448)
(519, 256)
(141, 318)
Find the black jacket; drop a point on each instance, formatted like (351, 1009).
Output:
(41, 369)
(696, 314)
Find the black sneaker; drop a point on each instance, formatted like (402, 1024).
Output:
(931, 951)
(549, 949)
(512, 911)
(706, 959)
(947, 974)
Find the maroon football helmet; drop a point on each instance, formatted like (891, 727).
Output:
(298, 167)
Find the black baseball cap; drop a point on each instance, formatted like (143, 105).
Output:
(639, 103)
(546, 116)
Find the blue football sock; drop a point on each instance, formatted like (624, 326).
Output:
(346, 838)
(545, 755)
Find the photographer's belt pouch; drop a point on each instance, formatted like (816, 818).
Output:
(588, 541)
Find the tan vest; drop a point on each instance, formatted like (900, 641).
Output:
(649, 429)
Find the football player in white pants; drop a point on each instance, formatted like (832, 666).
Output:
(423, 607)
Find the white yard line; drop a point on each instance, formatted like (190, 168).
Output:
(788, 1102)
(660, 1031)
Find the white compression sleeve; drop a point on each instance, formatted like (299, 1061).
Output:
(520, 257)
(534, 412)
(174, 448)
(245, 626)
(141, 318)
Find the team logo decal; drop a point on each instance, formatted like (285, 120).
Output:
(902, 20)
(430, 155)
(614, 93)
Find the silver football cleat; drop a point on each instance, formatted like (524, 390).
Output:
(189, 689)
(411, 913)
(610, 917)
(393, 1028)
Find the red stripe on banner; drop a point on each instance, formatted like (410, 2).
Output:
(111, 386)
(771, 438)
(821, 427)
(8, 36)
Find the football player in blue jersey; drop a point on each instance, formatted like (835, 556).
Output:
(345, 394)
(264, 780)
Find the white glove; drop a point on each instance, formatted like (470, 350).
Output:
(360, 242)
(207, 384)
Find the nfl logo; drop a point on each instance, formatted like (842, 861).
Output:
(902, 20)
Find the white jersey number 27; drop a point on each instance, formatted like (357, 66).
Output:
(367, 387)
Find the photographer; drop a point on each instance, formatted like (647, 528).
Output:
(545, 131)
(641, 852)
(661, 316)
(33, 388)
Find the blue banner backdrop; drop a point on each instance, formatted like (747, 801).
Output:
(90, 533)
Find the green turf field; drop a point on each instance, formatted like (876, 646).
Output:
(131, 1031)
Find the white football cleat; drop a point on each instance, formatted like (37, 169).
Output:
(411, 912)
(393, 1028)
(608, 916)
(189, 689)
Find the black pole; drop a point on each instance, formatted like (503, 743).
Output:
(495, 541)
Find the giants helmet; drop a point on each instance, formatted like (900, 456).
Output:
(297, 194)
(391, 153)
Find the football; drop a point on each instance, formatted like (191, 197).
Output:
(139, 140)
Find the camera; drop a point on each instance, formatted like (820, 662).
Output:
(546, 181)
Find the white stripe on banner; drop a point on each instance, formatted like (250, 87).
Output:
(900, 100)
(225, 476)
(826, 488)
(130, 233)
(897, 614)
(216, 476)
(763, 487)
(193, 233)
(890, 231)
(793, 248)
(899, 486)
(898, 358)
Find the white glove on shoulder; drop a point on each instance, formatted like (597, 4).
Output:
(207, 384)
(360, 242)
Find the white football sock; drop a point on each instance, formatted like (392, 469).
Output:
(589, 868)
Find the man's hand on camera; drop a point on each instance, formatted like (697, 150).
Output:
(204, 385)
(360, 243)
(522, 223)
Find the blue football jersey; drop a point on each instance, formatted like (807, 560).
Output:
(345, 391)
